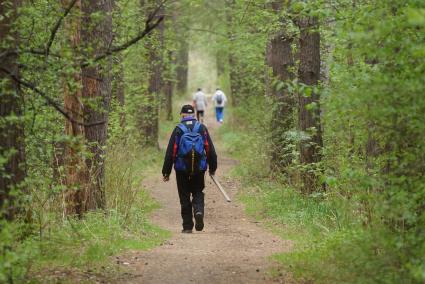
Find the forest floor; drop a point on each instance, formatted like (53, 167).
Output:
(232, 248)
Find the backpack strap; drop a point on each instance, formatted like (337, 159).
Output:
(197, 127)
(183, 128)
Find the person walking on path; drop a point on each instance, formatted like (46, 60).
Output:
(192, 152)
(200, 102)
(219, 100)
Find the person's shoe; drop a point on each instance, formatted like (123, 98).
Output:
(187, 231)
(199, 221)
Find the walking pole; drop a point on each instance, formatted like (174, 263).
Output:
(221, 188)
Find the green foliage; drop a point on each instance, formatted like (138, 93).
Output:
(91, 241)
(246, 137)
(379, 96)
(41, 237)
(51, 241)
(367, 227)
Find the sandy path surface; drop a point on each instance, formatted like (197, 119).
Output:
(233, 248)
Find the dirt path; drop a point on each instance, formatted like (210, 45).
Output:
(233, 248)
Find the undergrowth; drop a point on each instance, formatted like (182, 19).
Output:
(33, 252)
(333, 243)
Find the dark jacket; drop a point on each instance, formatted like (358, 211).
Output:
(170, 155)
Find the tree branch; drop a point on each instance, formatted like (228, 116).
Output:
(49, 100)
(244, 13)
(46, 52)
(8, 53)
(16, 52)
(146, 31)
(57, 25)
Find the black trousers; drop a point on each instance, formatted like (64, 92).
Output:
(199, 114)
(190, 186)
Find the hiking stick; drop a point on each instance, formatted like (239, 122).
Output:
(221, 188)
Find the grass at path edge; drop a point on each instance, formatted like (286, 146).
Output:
(331, 243)
(61, 249)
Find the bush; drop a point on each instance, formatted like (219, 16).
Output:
(56, 243)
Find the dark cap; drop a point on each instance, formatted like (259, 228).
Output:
(188, 109)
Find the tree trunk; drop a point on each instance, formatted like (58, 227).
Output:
(76, 174)
(233, 76)
(75, 170)
(170, 61)
(182, 66)
(150, 123)
(309, 108)
(234, 80)
(12, 170)
(96, 79)
(169, 99)
(169, 88)
(221, 61)
(118, 87)
(280, 58)
(182, 51)
(154, 90)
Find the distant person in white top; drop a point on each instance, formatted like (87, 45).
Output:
(200, 103)
(219, 100)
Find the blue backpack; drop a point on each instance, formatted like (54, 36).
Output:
(191, 155)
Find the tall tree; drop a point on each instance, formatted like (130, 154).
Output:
(233, 72)
(182, 69)
(169, 86)
(309, 107)
(96, 34)
(181, 22)
(75, 169)
(169, 60)
(281, 60)
(12, 154)
(154, 46)
(118, 79)
(118, 89)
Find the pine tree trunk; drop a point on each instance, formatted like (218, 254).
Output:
(233, 73)
(150, 123)
(96, 36)
(118, 86)
(182, 66)
(75, 170)
(169, 99)
(221, 61)
(309, 120)
(12, 170)
(182, 50)
(154, 89)
(76, 174)
(280, 58)
(169, 89)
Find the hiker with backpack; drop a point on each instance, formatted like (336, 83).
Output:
(200, 102)
(192, 152)
(219, 100)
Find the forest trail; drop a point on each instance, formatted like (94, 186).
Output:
(233, 248)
